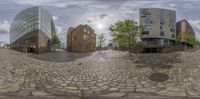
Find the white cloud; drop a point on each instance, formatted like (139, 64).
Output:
(98, 13)
(196, 26)
(58, 29)
(55, 18)
(4, 27)
(54, 3)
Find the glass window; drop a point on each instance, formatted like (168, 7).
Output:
(148, 21)
(162, 41)
(148, 27)
(161, 33)
(84, 37)
(172, 30)
(161, 20)
(172, 35)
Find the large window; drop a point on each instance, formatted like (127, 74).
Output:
(172, 24)
(161, 28)
(145, 32)
(172, 35)
(161, 20)
(30, 20)
(161, 33)
(172, 30)
(148, 22)
(162, 41)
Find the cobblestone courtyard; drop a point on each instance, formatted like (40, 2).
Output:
(99, 74)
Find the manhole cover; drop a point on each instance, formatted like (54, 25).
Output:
(159, 77)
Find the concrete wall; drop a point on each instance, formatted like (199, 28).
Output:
(154, 14)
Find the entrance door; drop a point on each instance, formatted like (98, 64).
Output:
(30, 50)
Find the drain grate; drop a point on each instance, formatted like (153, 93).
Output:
(159, 77)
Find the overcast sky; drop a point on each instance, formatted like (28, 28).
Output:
(99, 14)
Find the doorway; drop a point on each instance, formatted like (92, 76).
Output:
(30, 50)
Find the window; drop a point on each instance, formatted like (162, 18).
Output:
(172, 21)
(85, 30)
(172, 30)
(160, 27)
(151, 22)
(161, 20)
(161, 33)
(172, 35)
(145, 32)
(84, 37)
(148, 21)
(148, 27)
(162, 41)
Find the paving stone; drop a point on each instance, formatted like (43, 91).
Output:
(40, 93)
(109, 74)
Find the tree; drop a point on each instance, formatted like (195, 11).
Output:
(124, 33)
(55, 41)
(186, 37)
(101, 40)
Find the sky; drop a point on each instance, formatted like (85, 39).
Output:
(99, 14)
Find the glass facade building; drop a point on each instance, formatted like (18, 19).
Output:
(30, 29)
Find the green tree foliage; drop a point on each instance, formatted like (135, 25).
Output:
(186, 37)
(141, 29)
(198, 43)
(124, 32)
(101, 40)
(55, 41)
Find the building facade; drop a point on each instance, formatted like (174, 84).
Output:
(184, 27)
(158, 28)
(81, 39)
(31, 30)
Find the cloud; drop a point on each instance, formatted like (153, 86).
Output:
(196, 26)
(103, 15)
(55, 18)
(89, 21)
(61, 34)
(58, 29)
(106, 12)
(54, 3)
(4, 27)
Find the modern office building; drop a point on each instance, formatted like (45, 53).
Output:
(81, 39)
(184, 27)
(158, 28)
(31, 30)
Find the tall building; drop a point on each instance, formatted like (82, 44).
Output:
(184, 27)
(81, 39)
(158, 28)
(31, 30)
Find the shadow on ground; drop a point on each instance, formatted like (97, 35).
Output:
(156, 60)
(59, 56)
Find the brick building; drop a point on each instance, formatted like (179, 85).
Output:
(184, 27)
(81, 39)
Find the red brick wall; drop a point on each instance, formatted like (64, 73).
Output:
(77, 42)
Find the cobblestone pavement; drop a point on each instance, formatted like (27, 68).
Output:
(100, 74)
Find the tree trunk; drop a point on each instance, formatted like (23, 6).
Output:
(129, 45)
(100, 44)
